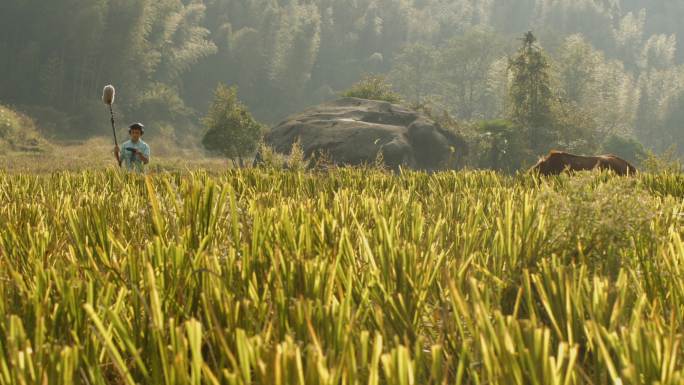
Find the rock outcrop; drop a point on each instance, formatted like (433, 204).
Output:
(353, 131)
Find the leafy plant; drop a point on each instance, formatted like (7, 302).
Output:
(373, 87)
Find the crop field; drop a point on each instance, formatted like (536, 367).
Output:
(354, 276)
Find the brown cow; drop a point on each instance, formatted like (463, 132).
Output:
(558, 161)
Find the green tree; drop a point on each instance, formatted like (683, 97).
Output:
(465, 67)
(612, 98)
(231, 129)
(658, 94)
(591, 18)
(578, 66)
(530, 94)
(629, 38)
(180, 40)
(414, 71)
(294, 54)
(576, 128)
(659, 52)
(673, 122)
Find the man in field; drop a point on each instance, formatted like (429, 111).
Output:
(135, 153)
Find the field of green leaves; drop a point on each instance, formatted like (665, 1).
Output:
(347, 277)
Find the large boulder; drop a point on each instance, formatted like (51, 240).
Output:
(352, 131)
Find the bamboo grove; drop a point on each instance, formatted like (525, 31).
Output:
(618, 64)
(348, 277)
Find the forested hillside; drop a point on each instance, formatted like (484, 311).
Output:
(616, 66)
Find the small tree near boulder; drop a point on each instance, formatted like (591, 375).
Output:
(373, 87)
(231, 129)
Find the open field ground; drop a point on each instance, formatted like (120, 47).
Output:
(347, 277)
(97, 154)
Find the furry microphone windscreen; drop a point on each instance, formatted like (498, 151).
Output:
(108, 94)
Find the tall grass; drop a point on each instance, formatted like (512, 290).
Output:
(347, 277)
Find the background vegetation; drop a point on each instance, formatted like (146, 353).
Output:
(614, 66)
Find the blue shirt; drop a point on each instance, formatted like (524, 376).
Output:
(129, 159)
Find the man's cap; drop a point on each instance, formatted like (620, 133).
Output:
(139, 126)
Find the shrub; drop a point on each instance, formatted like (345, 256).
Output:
(296, 159)
(625, 147)
(19, 132)
(667, 162)
(373, 87)
(506, 148)
(267, 157)
(51, 122)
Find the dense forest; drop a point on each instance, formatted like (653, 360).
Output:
(614, 67)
